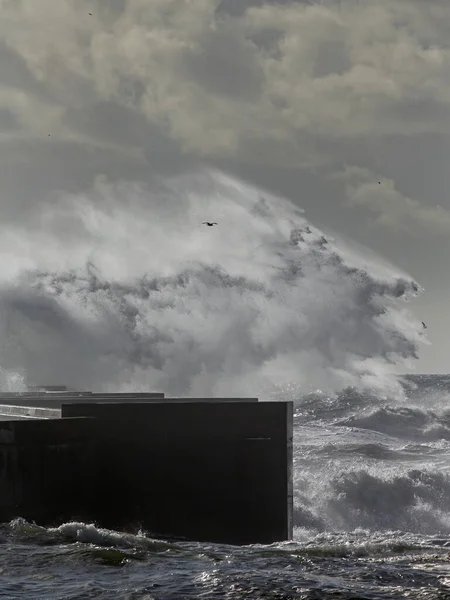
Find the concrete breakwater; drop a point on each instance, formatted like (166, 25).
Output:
(217, 470)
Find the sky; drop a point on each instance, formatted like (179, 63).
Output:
(341, 106)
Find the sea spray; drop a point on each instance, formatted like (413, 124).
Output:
(122, 288)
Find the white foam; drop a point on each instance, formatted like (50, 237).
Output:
(124, 289)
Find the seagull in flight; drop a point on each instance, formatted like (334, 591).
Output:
(208, 223)
(424, 326)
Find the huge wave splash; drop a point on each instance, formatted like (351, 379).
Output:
(123, 288)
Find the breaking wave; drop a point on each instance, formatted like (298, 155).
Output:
(380, 465)
(124, 289)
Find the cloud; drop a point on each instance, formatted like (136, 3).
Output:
(392, 209)
(262, 82)
(278, 92)
(27, 112)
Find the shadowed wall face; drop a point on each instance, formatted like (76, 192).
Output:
(206, 471)
(45, 470)
(203, 471)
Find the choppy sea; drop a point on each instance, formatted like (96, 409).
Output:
(372, 520)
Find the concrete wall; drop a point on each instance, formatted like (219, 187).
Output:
(200, 470)
(43, 469)
(214, 471)
(43, 405)
(8, 412)
(55, 400)
(71, 394)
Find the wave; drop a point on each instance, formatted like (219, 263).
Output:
(373, 498)
(403, 422)
(73, 532)
(124, 289)
(115, 548)
(416, 501)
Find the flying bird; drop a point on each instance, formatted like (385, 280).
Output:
(424, 326)
(208, 223)
(90, 14)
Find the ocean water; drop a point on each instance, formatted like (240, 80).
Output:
(372, 520)
(123, 289)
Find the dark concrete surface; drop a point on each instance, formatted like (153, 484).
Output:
(207, 469)
(44, 469)
(56, 400)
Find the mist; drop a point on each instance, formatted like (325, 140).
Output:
(123, 288)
